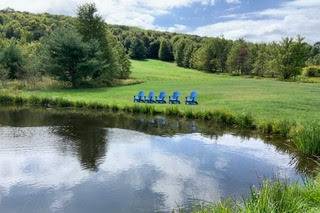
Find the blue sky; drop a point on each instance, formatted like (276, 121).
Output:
(255, 20)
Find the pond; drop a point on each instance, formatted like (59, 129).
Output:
(69, 161)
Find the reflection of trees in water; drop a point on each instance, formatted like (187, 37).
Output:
(86, 139)
(85, 133)
(15, 116)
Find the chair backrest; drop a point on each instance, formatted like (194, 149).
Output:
(176, 95)
(141, 94)
(162, 95)
(193, 95)
(151, 94)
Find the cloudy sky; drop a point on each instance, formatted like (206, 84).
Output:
(255, 20)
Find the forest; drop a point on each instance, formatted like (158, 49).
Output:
(35, 45)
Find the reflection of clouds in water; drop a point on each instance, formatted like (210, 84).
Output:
(32, 158)
(255, 149)
(61, 200)
(178, 176)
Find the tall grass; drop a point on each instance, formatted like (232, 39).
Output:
(276, 196)
(307, 138)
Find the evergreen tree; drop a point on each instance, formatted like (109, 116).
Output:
(153, 51)
(180, 51)
(165, 51)
(70, 59)
(92, 27)
(189, 51)
(137, 49)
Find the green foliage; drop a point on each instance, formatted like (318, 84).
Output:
(165, 51)
(208, 54)
(212, 55)
(315, 50)
(137, 49)
(70, 59)
(153, 51)
(261, 65)
(189, 51)
(123, 61)
(307, 138)
(12, 62)
(179, 51)
(239, 58)
(291, 57)
(246, 121)
(315, 60)
(312, 71)
(90, 25)
(28, 27)
(92, 28)
(276, 196)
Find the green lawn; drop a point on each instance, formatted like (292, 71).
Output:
(263, 98)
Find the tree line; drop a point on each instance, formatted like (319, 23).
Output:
(85, 49)
(81, 50)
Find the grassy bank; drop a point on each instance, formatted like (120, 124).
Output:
(265, 105)
(272, 197)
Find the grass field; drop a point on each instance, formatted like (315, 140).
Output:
(263, 98)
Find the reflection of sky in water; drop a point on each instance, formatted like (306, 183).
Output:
(139, 172)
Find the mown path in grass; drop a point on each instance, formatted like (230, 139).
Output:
(263, 98)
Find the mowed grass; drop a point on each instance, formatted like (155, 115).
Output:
(267, 99)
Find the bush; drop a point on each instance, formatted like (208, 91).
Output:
(312, 71)
(12, 62)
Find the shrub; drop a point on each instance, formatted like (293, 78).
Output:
(312, 71)
(12, 61)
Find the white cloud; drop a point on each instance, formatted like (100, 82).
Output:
(141, 13)
(233, 1)
(292, 18)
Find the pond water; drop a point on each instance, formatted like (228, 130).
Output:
(65, 161)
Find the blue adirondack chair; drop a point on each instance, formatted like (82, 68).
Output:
(150, 99)
(175, 98)
(162, 98)
(139, 98)
(192, 99)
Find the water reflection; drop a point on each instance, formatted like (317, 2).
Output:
(67, 162)
(87, 141)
